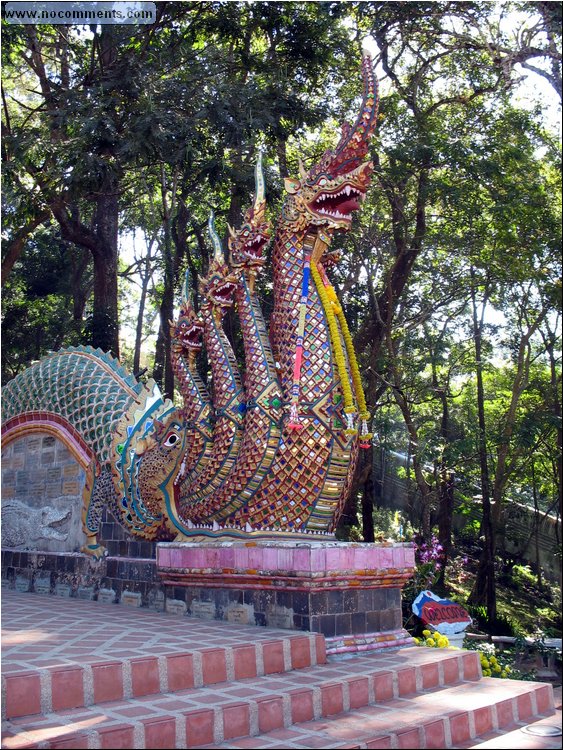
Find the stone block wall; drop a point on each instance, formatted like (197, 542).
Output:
(78, 576)
(42, 485)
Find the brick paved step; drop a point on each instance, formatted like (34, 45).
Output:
(448, 717)
(75, 685)
(250, 706)
(108, 652)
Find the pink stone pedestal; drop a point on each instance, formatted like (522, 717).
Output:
(349, 592)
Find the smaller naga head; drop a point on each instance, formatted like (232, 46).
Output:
(218, 287)
(247, 244)
(158, 458)
(186, 334)
(329, 193)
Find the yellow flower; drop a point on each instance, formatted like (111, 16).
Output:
(417, 641)
(496, 668)
(503, 673)
(426, 633)
(430, 642)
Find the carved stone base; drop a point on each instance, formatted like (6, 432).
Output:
(349, 592)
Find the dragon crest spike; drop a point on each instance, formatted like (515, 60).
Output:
(218, 249)
(302, 170)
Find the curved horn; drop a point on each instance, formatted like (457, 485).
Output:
(354, 143)
(218, 249)
(259, 182)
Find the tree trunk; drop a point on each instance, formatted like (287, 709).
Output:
(163, 372)
(367, 509)
(484, 589)
(105, 325)
(145, 279)
(445, 482)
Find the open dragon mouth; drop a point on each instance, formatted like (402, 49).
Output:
(340, 204)
(222, 294)
(191, 336)
(253, 249)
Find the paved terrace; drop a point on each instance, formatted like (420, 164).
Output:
(59, 655)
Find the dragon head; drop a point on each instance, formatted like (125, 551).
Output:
(158, 457)
(247, 244)
(218, 287)
(148, 446)
(186, 334)
(329, 193)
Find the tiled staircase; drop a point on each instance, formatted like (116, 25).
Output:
(275, 691)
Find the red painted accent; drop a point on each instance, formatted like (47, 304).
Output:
(199, 727)
(108, 682)
(435, 734)
(23, 695)
(524, 703)
(381, 743)
(301, 705)
(300, 652)
(483, 720)
(409, 739)
(74, 741)
(116, 738)
(236, 720)
(37, 421)
(359, 692)
(383, 687)
(270, 714)
(451, 671)
(332, 701)
(144, 676)
(320, 645)
(434, 613)
(430, 676)
(180, 670)
(67, 688)
(471, 665)
(244, 658)
(459, 728)
(544, 699)
(407, 681)
(214, 666)
(160, 734)
(505, 714)
(273, 658)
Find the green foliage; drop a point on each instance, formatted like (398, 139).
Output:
(37, 306)
(502, 625)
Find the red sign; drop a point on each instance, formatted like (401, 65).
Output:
(442, 615)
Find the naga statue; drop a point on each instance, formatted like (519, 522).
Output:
(269, 453)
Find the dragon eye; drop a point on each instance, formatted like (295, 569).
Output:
(171, 440)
